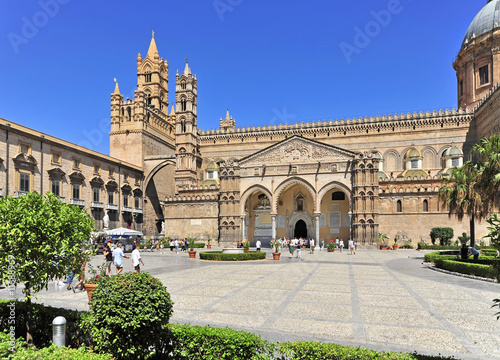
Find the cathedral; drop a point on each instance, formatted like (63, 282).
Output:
(348, 179)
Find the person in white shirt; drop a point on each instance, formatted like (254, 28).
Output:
(118, 256)
(258, 245)
(136, 258)
(341, 245)
(311, 244)
(351, 246)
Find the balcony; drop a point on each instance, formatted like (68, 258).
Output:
(126, 209)
(137, 211)
(79, 202)
(62, 198)
(97, 205)
(112, 207)
(19, 193)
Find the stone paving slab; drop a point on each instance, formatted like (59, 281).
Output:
(383, 300)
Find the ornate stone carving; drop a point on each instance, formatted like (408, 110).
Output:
(297, 150)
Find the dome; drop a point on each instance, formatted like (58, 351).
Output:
(487, 19)
(213, 166)
(453, 151)
(413, 153)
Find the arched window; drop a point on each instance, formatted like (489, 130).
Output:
(129, 113)
(426, 206)
(399, 206)
(183, 104)
(149, 99)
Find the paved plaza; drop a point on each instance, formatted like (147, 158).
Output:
(382, 300)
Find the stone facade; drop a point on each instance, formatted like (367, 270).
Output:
(33, 161)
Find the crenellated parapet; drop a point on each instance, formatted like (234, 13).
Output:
(374, 124)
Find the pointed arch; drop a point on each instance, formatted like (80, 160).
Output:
(248, 192)
(285, 185)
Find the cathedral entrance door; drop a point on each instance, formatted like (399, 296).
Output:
(300, 229)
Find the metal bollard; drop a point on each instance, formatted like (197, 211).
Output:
(59, 331)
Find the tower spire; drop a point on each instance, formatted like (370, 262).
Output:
(117, 89)
(152, 47)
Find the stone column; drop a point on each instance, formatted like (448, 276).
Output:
(273, 217)
(243, 227)
(316, 220)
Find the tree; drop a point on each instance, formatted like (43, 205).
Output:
(444, 234)
(487, 152)
(40, 238)
(461, 196)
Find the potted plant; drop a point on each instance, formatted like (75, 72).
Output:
(246, 245)
(191, 251)
(330, 247)
(277, 246)
(96, 276)
(209, 246)
(395, 246)
(382, 238)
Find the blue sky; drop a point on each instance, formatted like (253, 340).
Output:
(270, 62)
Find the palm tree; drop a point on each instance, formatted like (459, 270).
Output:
(487, 152)
(460, 195)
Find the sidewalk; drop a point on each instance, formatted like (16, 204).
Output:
(382, 300)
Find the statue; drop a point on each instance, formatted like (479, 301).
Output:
(162, 228)
(105, 221)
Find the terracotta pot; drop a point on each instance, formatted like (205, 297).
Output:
(90, 288)
(395, 247)
(276, 255)
(209, 246)
(383, 248)
(330, 250)
(192, 254)
(246, 249)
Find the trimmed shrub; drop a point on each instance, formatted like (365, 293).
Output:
(486, 271)
(128, 313)
(219, 256)
(196, 342)
(197, 245)
(42, 322)
(431, 257)
(444, 234)
(53, 352)
(424, 246)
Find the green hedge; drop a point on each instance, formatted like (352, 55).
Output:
(197, 342)
(313, 350)
(431, 257)
(197, 245)
(42, 322)
(218, 255)
(486, 271)
(423, 246)
(53, 352)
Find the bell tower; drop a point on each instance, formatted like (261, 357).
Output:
(187, 146)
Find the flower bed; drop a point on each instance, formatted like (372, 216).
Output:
(219, 256)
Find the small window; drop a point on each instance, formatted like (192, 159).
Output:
(95, 192)
(338, 195)
(455, 162)
(426, 206)
(137, 202)
(76, 191)
(111, 173)
(147, 78)
(76, 164)
(56, 187)
(125, 178)
(24, 182)
(137, 181)
(484, 76)
(56, 158)
(111, 197)
(461, 88)
(125, 199)
(24, 148)
(97, 170)
(399, 206)
(414, 164)
(183, 85)
(210, 175)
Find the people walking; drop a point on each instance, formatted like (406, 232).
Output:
(291, 248)
(311, 244)
(341, 245)
(136, 258)
(118, 256)
(258, 245)
(351, 246)
(108, 258)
